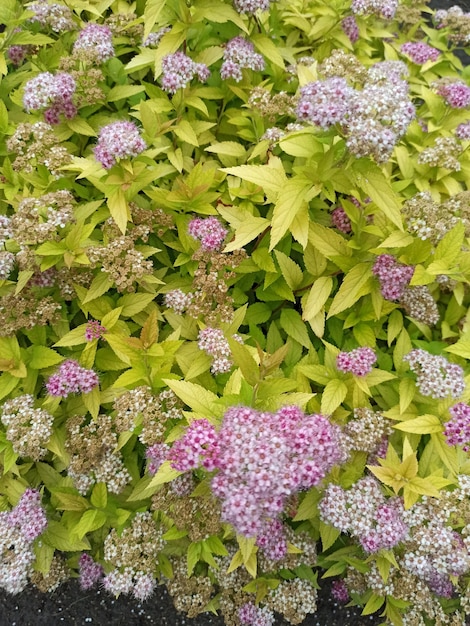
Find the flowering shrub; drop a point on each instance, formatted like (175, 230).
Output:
(234, 331)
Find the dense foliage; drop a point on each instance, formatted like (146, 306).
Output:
(234, 340)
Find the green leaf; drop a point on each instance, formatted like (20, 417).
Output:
(134, 303)
(397, 239)
(333, 395)
(292, 198)
(215, 11)
(42, 357)
(248, 366)
(100, 285)
(200, 400)
(246, 232)
(353, 287)
(271, 179)
(69, 501)
(227, 148)
(308, 508)
(422, 425)
(267, 48)
(153, 9)
(120, 92)
(328, 534)
(293, 325)
(186, 133)
(73, 338)
(317, 297)
(99, 496)
(59, 537)
(290, 271)
(119, 209)
(91, 520)
(373, 604)
(193, 555)
(450, 246)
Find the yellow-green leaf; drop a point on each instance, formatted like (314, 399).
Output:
(317, 297)
(333, 395)
(422, 425)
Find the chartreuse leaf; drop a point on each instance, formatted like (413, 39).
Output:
(328, 534)
(290, 271)
(353, 287)
(292, 198)
(91, 520)
(422, 425)
(293, 325)
(199, 399)
(100, 285)
(99, 496)
(153, 9)
(44, 555)
(248, 550)
(317, 297)
(193, 555)
(119, 209)
(245, 361)
(42, 357)
(373, 604)
(61, 538)
(333, 395)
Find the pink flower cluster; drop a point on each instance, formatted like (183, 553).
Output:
(212, 341)
(251, 615)
(154, 39)
(197, 448)
(90, 571)
(239, 54)
(456, 94)
(177, 300)
(463, 131)
(17, 54)
(251, 6)
(359, 361)
(364, 512)
(436, 377)
(394, 277)
(262, 459)
(272, 540)
(340, 220)
(96, 39)
(325, 102)
(94, 330)
(179, 70)
(381, 8)
(420, 52)
(156, 455)
(58, 17)
(71, 378)
(350, 28)
(457, 429)
(118, 140)
(339, 591)
(18, 530)
(53, 93)
(209, 231)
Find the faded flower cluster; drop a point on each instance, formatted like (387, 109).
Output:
(436, 376)
(28, 429)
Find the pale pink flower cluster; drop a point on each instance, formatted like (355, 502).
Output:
(463, 131)
(436, 377)
(325, 102)
(177, 300)
(350, 28)
(359, 361)
(420, 52)
(97, 40)
(239, 54)
(457, 429)
(262, 459)
(213, 342)
(251, 6)
(71, 378)
(273, 541)
(339, 591)
(7, 264)
(154, 39)
(17, 54)
(385, 9)
(18, 530)
(179, 70)
(90, 572)
(53, 93)
(394, 277)
(209, 231)
(118, 140)
(251, 615)
(57, 17)
(155, 456)
(365, 513)
(94, 330)
(340, 220)
(456, 94)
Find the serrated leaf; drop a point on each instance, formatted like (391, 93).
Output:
(398, 239)
(373, 604)
(422, 425)
(134, 303)
(73, 338)
(290, 271)
(99, 496)
(450, 246)
(352, 288)
(91, 520)
(267, 48)
(199, 399)
(119, 209)
(244, 360)
(42, 357)
(185, 132)
(292, 199)
(292, 324)
(100, 285)
(228, 148)
(246, 232)
(328, 535)
(60, 538)
(317, 297)
(120, 92)
(333, 395)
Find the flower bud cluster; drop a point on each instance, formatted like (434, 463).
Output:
(294, 599)
(381, 8)
(428, 219)
(262, 459)
(94, 330)
(251, 6)
(444, 153)
(178, 300)
(36, 144)
(436, 377)
(456, 94)
(358, 361)
(457, 22)
(179, 70)
(209, 231)
(57, 17)
(17, 54)
(394, 277)
(419, 304)
(155, 456)
(213, 342)
(18, 530)
(462, 131)
(7, 264)
(251, 615)
(457, 429)
(90, 571)
(340, 220)
(420, 52)
(118, 140)
(365, 513)
(52, 93)
(240, 54)
(94, 43)
(28, 429)
(71, 378)
(339, 591)
(134, 555)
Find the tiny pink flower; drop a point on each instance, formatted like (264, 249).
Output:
(359, 361)
(118, 140)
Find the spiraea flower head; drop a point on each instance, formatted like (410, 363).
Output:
(71, 378)
(179, 70)
(118, 140)
(456, 93)
(57, 17)
(177, 300)
(239, 54)
(153, 39)
(394, 277)
(350, 28)
(251, 615)
(52, 93)
(445, 152)
(90, 571)
(436, 376)
(95, 41)
(381, 8)
(209, 231)
(94, 330)
(213, 342)
(27, 428)
(457, 429)
(420, 52)
(359, 361)
(325, 102)
(251, 6)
